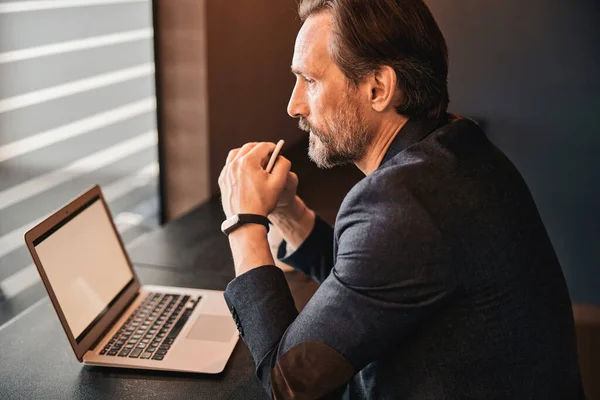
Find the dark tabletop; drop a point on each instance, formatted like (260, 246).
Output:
(192, 242)
(36, 360)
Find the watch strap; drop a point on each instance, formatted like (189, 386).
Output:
(243, 219)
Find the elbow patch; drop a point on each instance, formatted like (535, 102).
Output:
(309, 371)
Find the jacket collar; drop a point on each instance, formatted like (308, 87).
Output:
(413, 131)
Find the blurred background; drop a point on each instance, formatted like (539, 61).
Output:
(146, 99)
(77, 107)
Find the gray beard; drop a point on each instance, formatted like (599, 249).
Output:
(350, 145)
(324, 157)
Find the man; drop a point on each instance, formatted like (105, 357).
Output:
(439, 280)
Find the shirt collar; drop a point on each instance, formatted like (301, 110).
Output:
(413, 131)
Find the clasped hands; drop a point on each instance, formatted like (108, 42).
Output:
(246, 188)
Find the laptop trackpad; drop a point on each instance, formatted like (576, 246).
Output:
(213, 328)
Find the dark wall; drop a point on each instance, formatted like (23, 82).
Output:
(249, 53)
(531, 71)
(224, 80)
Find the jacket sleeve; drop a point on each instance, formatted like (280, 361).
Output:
(392, 272)
(314, 257)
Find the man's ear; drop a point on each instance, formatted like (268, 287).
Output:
(383, 86)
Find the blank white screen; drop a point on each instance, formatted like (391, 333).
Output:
(85, 265)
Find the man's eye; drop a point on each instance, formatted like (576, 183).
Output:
(309, 81)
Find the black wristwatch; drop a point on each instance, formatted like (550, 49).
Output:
(237, 220)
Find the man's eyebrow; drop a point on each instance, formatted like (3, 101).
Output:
(304, 74)
(296, 71)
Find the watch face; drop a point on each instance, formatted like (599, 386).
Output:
(229, 222)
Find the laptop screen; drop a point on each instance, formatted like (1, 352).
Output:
(85, 265)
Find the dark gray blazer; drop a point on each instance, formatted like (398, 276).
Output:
(438, 282)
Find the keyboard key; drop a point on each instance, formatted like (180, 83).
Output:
(179, 324)
(124, 353)
(113, 352)
(146, 355)
(158, 357)
(103, 351)
(135, 353)
(161, 352)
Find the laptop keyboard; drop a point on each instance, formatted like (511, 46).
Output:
(152, 328)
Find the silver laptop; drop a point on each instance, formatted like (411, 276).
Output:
(111, 319)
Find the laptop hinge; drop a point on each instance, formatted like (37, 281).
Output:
(110, 326)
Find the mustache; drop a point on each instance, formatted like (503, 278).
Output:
(304, 125)
(307, 127)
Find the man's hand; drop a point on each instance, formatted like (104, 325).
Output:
(245, 185)
(288, 196)
(291, 216)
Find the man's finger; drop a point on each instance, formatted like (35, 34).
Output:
(231, 156)
(261, 153)
(280, 173)
(244, 150)
(292, 180)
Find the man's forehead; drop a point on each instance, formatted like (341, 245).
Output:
(311, 52)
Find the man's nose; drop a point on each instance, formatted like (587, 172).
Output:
(297, 107)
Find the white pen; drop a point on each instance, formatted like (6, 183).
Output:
(274, 156)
